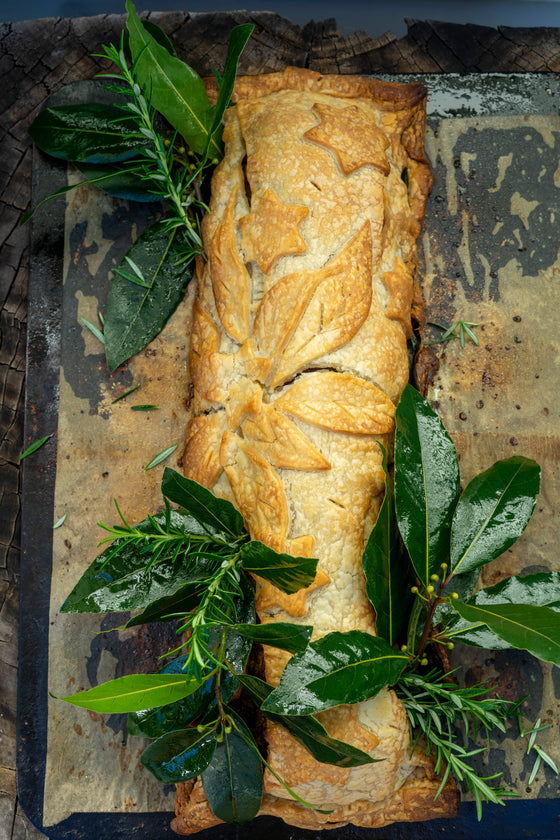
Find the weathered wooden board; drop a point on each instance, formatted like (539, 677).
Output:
(37, 58)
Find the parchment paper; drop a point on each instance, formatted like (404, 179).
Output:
(489, 254)
(92, 765)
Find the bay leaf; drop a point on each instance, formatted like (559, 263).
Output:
(387, 568)
(180, 755)
(308, 731)
(238, 38)
(123, 577)
(218, 516)
(134, 692)
(493, 512)
(233, 781)
(175, 90)
(135, 315)
(523, 626)
(154, 722)
(122, 180)
(92, 133)
(426, 483)
(279, 634)
(336, 669)
(284, 571)
(540, 589)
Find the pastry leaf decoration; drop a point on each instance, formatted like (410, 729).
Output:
(329, 306)
(339, 401)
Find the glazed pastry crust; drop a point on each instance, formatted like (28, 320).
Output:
(298, 357)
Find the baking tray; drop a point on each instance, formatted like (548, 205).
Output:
(488, 253)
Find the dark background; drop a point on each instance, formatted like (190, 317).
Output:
(375, 16)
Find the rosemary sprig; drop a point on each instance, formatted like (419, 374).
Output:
(434, 707)
(541, 754)
(165, 166)
(464, 328)
(216, 608)
(163, 539)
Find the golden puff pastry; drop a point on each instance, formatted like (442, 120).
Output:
(298, 357)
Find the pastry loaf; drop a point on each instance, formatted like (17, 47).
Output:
(298, 357)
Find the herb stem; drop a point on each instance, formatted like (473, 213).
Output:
(434, 602)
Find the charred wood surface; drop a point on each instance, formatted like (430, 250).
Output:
(39, 57)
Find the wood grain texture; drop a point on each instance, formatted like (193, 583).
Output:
(39, 57)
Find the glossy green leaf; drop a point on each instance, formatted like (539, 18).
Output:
(233, 781)
(493, 512)
(135, 315)
(134, 692)
(387, 569)
(121, 577)
(541, 589)
(121, 180)
(180, 755)
(173, 88)
(308, 731)
(157, 34)
(238, 647)
(37, 444)
(181, 601)
(426, 483)
(218, 516)
(152, 723)
(339, 668)
(92, 133)
(284, 571)
(283, 635)
(237, 40)
(524, 626)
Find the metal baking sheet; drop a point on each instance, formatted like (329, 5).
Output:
(488, 253)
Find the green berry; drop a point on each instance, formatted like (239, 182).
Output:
(414, 590)
(430, 589)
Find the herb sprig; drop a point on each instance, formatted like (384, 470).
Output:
(157, 142)
(191, 564)
(459, 329)
(165, 169)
